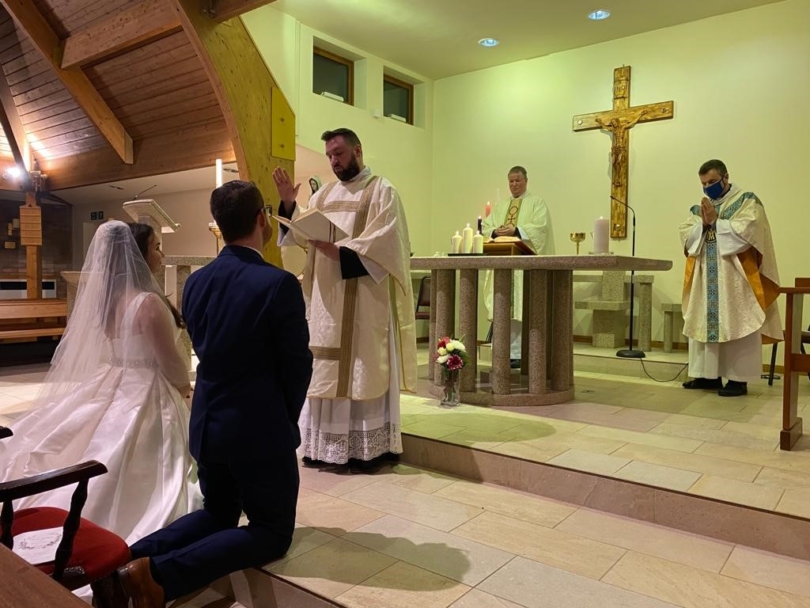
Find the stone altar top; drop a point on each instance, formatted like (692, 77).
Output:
(188, 260)
(149, 212)
(539, 262)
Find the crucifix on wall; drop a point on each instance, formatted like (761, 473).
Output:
(618, 123)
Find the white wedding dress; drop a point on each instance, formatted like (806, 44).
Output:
(128, 416)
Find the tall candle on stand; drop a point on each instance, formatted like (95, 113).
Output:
(601, 235)
(219, 172)
(487, 210)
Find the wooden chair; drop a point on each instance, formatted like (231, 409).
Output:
(423, 299)
(87, 553)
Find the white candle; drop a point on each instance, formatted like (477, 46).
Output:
(219, 172)
(455, 243)
(467, 239)
(601, 235)
(487, 210)
(478, 243)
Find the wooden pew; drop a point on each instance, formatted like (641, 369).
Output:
(27, 319)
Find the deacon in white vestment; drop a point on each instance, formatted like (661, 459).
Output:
(730, 285)
(524, 215)
(360, 309)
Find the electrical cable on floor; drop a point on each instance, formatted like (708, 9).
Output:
(662, 381)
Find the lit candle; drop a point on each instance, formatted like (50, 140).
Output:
(219, 172)
(487, 210)
(480, 224)
(601, 235)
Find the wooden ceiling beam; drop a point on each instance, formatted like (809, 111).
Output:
(30, 20)
(15, 133)
(138, 25)
(222, 10)
(193, 147)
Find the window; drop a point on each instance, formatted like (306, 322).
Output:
(333, 75)
(398, 99)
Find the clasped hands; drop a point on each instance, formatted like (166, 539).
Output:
(708, 212)
(505, 231)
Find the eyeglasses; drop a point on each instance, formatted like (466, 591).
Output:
(268, 209)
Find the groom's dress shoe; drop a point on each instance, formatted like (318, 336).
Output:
(139, 586)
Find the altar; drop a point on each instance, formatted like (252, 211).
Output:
(548, 311)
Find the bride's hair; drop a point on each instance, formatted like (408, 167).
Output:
(142, 233)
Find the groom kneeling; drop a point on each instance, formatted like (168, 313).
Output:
(247, 323)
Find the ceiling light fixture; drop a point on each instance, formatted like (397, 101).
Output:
(599, 15)
(14, 172)
(488, 42)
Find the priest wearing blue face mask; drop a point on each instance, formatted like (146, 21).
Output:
(730, 286)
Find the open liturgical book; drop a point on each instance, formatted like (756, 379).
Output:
(507, 245)
(312, 225)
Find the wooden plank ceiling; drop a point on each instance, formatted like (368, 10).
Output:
(139, 61)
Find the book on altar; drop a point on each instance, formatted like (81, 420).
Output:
(513, 244)
(312, 225)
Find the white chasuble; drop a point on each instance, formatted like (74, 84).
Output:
(730, 287)
(362, 330)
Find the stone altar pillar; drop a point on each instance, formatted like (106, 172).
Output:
(184, 265)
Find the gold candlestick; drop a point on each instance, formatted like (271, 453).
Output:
(577, 237)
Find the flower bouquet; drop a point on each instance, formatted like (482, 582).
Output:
(451, 354)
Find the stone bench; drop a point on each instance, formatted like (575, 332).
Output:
(610, 308)
(670, 309)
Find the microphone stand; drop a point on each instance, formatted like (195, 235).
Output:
(631, 353)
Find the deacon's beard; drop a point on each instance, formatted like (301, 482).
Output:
(350, 172)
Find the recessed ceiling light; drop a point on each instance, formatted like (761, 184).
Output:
(599, 15)
(14, 172)
(488, 42)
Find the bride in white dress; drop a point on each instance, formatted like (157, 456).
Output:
(114, 393)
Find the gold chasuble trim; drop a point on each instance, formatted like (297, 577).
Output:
(325, 352)
(344, 206)
(765, 290)
(343, 353)
(350, 300)
(513, 212)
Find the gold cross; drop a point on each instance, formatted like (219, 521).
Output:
(618, 123)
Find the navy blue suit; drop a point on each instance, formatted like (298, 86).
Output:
(249, 330)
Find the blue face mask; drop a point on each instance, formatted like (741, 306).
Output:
(715, 190)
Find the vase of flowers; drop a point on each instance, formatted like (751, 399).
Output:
(451, 354)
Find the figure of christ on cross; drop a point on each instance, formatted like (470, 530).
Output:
(618, 123)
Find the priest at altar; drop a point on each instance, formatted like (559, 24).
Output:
(730, 286)
(523, 215)
(360, 309)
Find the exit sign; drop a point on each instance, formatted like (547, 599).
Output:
(96, 215)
